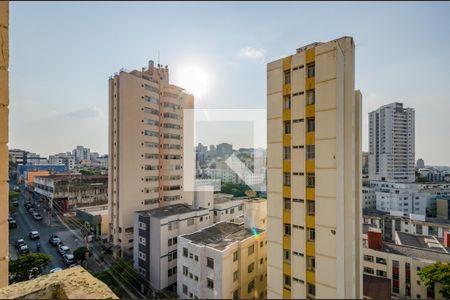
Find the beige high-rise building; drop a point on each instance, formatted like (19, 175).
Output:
(145, 146)
(314, 173)
(4, 117)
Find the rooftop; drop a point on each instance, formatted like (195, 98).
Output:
(71, 283)
(418, 253)
(221, 235)
(171, 210)
(425, 242)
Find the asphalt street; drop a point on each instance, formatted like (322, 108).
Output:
(26, 224)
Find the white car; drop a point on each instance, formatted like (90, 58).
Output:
(55, 270)
(63, 250)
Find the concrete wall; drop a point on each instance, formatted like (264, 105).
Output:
(4, 119)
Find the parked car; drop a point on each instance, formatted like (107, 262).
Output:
(34, 235)
(68, 259)
(16, 189)
(31, 210)
(55, 270)
(54, 240)
(15, 203)
(19, 243)
(28, 204)
(23, 250)
(62, 249)
(37, 216)
(12, 223)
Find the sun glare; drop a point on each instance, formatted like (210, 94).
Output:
(194, 79)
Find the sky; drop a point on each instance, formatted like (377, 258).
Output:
(62, 54)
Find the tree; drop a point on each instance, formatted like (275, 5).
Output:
(79, 254)
(124, 271)
(237, 190)
(27, 266)
(437, 273)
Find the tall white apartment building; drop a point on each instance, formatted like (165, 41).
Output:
(314, 173)
(392, 143)
(145, 146)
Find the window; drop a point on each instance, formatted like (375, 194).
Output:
(250, 267)
(368, 270)
(311, 71)
(311, 207)
(287, 153)
(287, 281)
(287, 179)
(235, 275)
(190, 222)
(311, 234)
(196, 258)
(287, 255)
(287, 127)
(142, 240)
(287, 229)
(310, 151)
(142, 255)
(251, 286)
(381, 273)
(310, 125)
(150, 122)
(196, 278)
(235, 256)
(185, 289)
(287, 102)
(310, 263)
(172, 255)
(311, 97)
(381, 261)
(287, 77)
(311, 289)
(210, 262)
(287, 203)
(185, 270)
(210, 283)
(251, 249)
(310, 180)
(236, 294)
(368, 258)
(185, 252)
(142, 226)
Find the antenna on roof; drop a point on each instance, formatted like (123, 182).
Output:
(158, 57)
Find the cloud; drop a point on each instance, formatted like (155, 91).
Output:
(252, 53)
(85, 113)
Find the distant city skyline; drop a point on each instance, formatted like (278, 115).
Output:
(60, 66)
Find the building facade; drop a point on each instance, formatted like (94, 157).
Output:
(155, 240)
(66, 193)
(223, 261)
(314, 173)
(145, 146)
(4, 117)
(420, 164)
(401, 263)
(392, 143)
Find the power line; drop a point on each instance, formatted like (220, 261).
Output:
(79, 225)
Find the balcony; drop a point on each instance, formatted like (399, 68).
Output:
(72, 283)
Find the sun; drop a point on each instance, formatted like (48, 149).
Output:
(195, 79)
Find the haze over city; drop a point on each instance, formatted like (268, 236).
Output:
(60, 66)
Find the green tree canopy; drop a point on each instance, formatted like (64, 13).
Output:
(437, 273)
(122, 270)
(237, 190)
(27, 266)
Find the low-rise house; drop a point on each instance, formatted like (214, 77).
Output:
(67, 192)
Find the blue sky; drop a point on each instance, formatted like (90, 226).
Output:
(62, 54)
